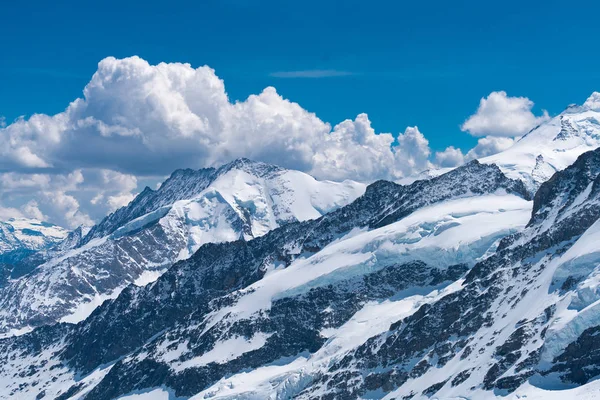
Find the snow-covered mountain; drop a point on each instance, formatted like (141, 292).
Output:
(241, 200)
(20, 237)
(281, 298)
(553, 145)
(550, 147)
(28, 234)
(478, 282)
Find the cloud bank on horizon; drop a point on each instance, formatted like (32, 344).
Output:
(137, 120)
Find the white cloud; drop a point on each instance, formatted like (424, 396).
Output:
(412, 153)
(488, 146)
(592, 102)
(28, 210)
(9, 212)
(140, 119)
(353, 150)
(31, 210)
(67, 205)
(117, 201)
(60, 197)
(451, 157)
(501, 115)
(138, 122)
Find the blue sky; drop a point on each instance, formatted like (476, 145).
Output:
(403, 63)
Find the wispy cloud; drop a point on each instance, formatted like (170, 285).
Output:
(311, 73)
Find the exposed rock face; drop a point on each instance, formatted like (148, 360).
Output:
(497, 328)
(241, 200)
(456, 286)
(395, 246)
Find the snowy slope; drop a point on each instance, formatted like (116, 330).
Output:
(22, 237)
(522, 324)
(28, 234)
(238, 306)
(240, 200)
(552, 146)
(455, 287)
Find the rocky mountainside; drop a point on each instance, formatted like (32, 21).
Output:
(299, 296)
(241, 200)
(256, 282)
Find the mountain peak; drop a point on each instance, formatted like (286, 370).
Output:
(558, 141)
(593, 102)
(251, 166)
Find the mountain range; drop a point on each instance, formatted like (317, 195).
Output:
(22, 237)
(250, 281)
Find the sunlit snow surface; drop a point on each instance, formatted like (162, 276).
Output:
(238, 204)
(456, 231)
(449, 233)
(548, 148)
(551, 147)
(30, 234)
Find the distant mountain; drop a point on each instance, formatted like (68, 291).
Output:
(240, 200)
(30, 262)
(478, 282)
(27, 234)
(241, 305)
(20, 237)
(552, 146)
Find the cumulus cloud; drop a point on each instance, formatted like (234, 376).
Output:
(28, 210)
(112, 189)
(67, 205)
(142, 119)
(412, 153)
(138, 122)
(32, 210)
(486, 146)
(451, 157)
(501, 115)
(592, 102)
(69, 199)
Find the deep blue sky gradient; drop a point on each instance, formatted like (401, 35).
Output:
(421, 63)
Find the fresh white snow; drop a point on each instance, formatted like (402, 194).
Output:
(449, 233)
(238, 204)
(557, 143)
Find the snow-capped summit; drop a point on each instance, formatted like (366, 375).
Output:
(593, 102)
(256, 179)
(379, 245)
(29, 233)
(553, 145)
(21, 236)
(456, 286)
(240, 200)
